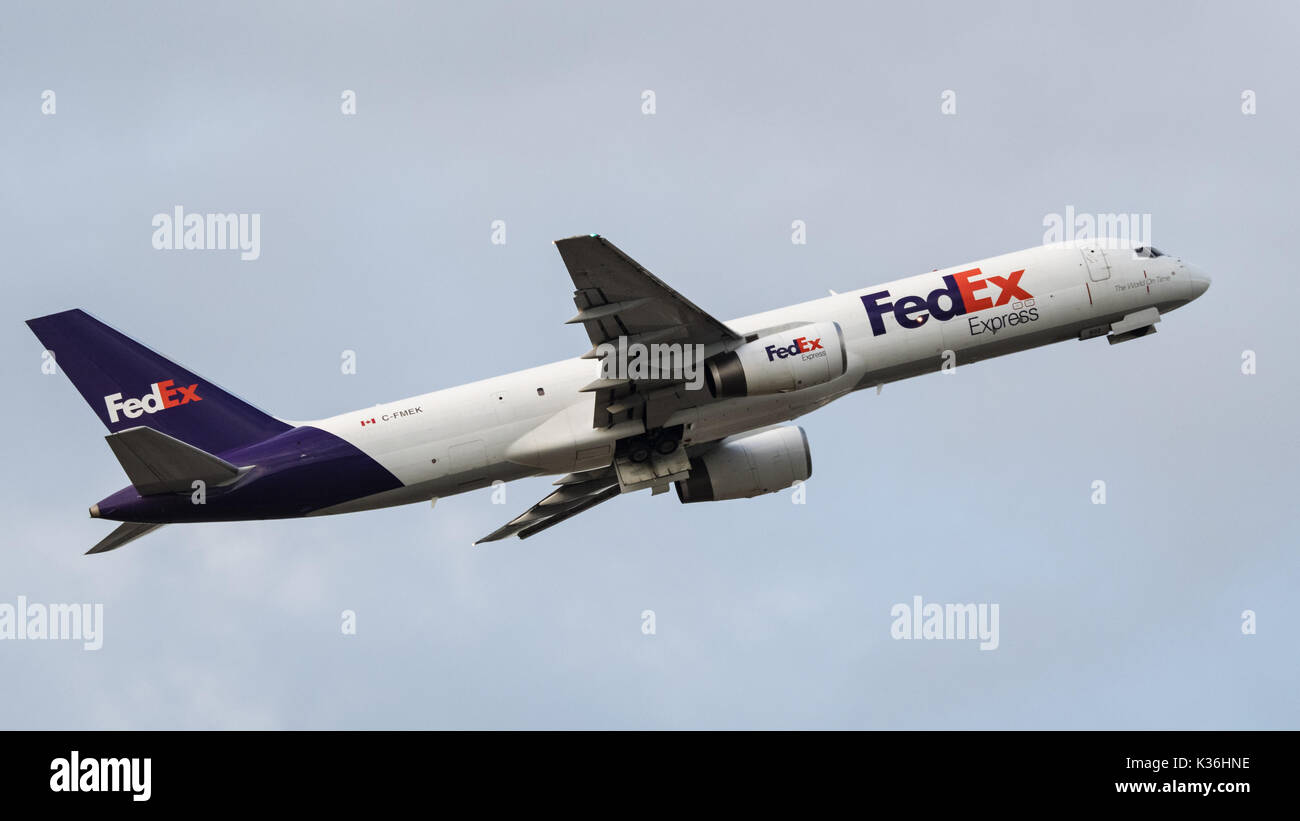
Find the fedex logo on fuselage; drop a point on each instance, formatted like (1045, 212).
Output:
(799, 345)
(164, 395)
(966, 292)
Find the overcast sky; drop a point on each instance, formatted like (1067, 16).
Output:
(376, 238)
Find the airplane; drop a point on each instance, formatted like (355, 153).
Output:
(708, 416)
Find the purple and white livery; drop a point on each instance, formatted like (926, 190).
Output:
(195, 453)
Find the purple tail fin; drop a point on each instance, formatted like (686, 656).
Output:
(129, 385)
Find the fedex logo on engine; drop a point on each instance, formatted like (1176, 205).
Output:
(799, 345)
(164, 395)
(966, 292)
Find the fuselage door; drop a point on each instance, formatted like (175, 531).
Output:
(1095, 260)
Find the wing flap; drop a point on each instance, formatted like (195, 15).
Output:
(576, 493)
(552, 521)
(617, 298)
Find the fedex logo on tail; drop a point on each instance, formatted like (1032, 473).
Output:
(162, 396)
(966, 292)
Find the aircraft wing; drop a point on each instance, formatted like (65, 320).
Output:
(577, 492)
(617, 298)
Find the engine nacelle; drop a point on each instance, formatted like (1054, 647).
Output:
(750, 464)
(798, 358)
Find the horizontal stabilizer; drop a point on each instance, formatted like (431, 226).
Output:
(158, 463)
(128, 532)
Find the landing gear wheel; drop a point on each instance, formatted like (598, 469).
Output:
(666, 445)
(639, 453)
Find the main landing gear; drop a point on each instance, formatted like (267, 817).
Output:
(651, 460)
(663, 442)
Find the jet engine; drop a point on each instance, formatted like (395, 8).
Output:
(750, 464)
(789, 360)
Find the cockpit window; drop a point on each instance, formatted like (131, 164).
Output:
(1148, 251)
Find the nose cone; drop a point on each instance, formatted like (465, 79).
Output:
(1198, 282)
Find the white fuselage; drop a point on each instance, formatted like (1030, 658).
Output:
(467, 437)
